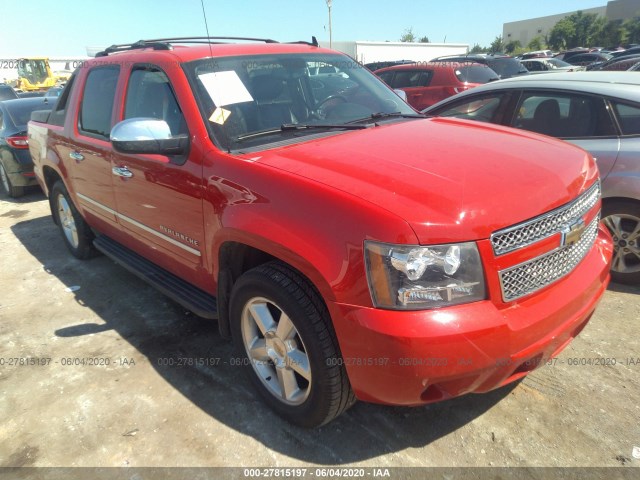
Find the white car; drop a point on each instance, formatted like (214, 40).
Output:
(547, 65)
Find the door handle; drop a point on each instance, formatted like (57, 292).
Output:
(122, 172)
(77, 156)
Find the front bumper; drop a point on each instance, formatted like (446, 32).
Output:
(413, 358)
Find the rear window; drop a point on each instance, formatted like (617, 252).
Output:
(20, 112)
(411, 78)
(475, 74)
(506, 66)
(7, 93)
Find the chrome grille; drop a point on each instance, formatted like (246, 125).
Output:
(532, 275)
(523, 234)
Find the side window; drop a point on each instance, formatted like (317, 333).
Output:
(57, 116)
(97, 101)
(387, 77)
(482, 109)
(563, 115)
(411, 78)
(149, 95)
(629, 118)
(1, 122)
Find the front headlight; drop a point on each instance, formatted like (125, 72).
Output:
(408, 277)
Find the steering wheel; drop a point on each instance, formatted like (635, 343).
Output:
(324, 106)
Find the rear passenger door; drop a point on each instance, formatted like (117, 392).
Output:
(159, 198)
(584, 120)
(87, 154)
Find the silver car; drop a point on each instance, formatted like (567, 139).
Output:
(548, 65)
(598, 111)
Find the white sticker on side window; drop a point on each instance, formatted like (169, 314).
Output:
(225, 88)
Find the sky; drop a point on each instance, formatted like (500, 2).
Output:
(67, 27)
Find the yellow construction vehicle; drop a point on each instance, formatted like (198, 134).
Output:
(34, 74)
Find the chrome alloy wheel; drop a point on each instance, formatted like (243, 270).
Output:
(625, 230)
(276, 351)
(67, 222)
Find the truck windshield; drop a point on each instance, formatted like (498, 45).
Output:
(247, 99)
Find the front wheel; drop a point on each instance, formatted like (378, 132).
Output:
(282, 330)
(622, 218)
(77, 235)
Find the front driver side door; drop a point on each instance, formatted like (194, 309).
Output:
(159, 198)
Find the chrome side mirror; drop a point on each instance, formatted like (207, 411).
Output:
(147, 135)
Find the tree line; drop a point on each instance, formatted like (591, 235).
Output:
(576, 30)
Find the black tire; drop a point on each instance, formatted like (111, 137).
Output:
(7, 186)
(622, 217)
(79, 244)
(327, 392)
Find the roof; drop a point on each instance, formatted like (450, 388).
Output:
(430, 65)
(626, 78)
(182, 53)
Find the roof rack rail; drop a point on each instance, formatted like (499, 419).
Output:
(165, 43)
(312, 43)
(134, 46)
(208, 39)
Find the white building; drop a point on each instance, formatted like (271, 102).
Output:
(369, 52)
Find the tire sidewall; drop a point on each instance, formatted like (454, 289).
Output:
(617, 207)
(254, 284)
(84, 249)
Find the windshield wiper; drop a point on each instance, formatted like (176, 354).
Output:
(309, 126)
(396, 114)
(289, 127)
(381, 115)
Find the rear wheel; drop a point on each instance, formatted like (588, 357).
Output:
(77, 235)
(622, 218)
(281, 329)
(8, 187)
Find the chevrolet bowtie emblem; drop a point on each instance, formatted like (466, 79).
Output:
(572, 233)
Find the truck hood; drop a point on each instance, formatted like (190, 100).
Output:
(451, 180)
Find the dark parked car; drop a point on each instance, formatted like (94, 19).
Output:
(598, 111)
(30, 94)
(504, 65)
(617, 64)
(428, 83)
(16, 167)
(585, 59)
(54, 92)
(627, 52)
(7, 92)
(565, 56)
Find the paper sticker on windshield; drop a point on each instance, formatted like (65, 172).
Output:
(220, 115)
(225, 88)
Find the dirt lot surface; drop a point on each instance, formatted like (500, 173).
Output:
(133, 404)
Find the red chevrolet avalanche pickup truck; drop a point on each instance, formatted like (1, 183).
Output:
(350, 247)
